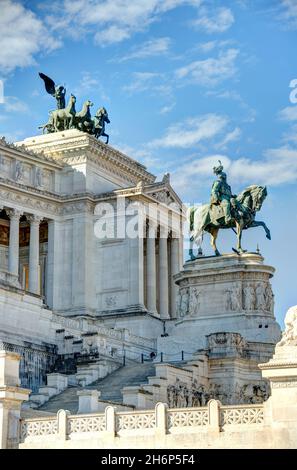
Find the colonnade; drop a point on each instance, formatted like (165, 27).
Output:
(14, 243)
(161, 284)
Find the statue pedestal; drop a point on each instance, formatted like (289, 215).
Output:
(281, 371)
(229, 293)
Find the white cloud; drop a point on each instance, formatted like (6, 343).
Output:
(289, 113)
(229, 137)
(141, 82)
(289, 13)
(199, 170)
(142, 155)
(277, 166)
(111, 21)
(211, 71)
(218, 21)
(191, 131)
(23, 36)
(166, 109)
(15, 105)
(154, 47)
(111, 35)
(291, 135)
(208, 46)
(90, 83)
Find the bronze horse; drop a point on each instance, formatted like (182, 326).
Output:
(209, 218)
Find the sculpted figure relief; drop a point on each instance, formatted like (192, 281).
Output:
(38, 177)
(269, 299)
(184, 302)
(19, 171)
(251, 393)
(260, 297)
(233, 301)
(180, 395)
(249, 297)
(194, 303)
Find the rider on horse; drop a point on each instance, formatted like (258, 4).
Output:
(221, 195)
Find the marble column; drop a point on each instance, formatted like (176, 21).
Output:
(151, 291)
(13, 256)
(34, 284)
(163, 273)
(174, 269)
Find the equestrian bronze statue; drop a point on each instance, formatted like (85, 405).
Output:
(66, 117)
(226, 211)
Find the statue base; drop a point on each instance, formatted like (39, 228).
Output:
(228, 293)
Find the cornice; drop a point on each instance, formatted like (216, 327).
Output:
(66, 145)
(21, 151)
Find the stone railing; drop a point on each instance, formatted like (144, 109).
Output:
(160, 421)
(243, 414)
(39, 427)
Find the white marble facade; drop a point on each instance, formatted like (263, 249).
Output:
(86, 274)
(54, 190)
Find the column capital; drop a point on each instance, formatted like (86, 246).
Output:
(34, 219)
(13, 213)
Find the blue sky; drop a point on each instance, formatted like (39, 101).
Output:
(185, 82)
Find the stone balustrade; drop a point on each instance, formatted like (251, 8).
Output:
(160, 421)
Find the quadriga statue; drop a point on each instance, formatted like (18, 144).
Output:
(66, 117)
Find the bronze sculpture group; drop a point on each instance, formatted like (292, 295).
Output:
(226, 211)
(66, 117)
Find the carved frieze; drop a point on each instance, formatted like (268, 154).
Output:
(182, 395)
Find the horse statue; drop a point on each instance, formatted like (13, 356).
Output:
(83, 119)
(60, 119)
(49, 126)
(99, 121)
(240, 215)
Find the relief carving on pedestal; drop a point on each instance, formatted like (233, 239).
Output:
(260, 297)
(234, 299)
(269, 296)
(182, 303)
(249, 297)
(194, 302)
(226, 340)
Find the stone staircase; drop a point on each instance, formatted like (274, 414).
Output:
(130, 375)
(110, 387)
(58, 383)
